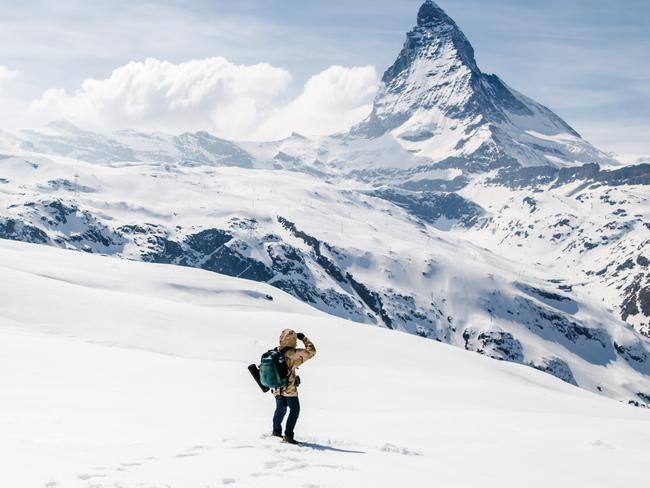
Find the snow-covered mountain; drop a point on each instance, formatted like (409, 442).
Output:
(436, 111)
(460, 211)
(437, 116)
(437, 104)
(125, 374)
(590, 228)
(64, 138)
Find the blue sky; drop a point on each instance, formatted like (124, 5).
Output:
(586, 59)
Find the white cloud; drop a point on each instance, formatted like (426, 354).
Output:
(232, 101)
(208, 94)
(7, 74)
(332, 101)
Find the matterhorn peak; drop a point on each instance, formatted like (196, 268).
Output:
(436, 29)
(430, 14)
(437, 104)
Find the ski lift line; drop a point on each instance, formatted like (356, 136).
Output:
(213, 253)
(249, 266)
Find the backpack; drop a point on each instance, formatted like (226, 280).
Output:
(274, 372)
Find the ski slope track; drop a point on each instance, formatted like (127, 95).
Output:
(130, 374)
(460, 211)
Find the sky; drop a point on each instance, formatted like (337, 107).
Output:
(260, 68)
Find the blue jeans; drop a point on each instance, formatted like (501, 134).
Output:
(281, 404)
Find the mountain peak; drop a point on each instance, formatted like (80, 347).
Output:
(430, 14)
(436, 36)
(437, 103)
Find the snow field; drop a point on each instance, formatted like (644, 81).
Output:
(111, 378)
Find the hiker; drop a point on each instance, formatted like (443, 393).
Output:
(287, 396)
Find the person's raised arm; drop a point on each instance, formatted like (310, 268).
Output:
(307, 353)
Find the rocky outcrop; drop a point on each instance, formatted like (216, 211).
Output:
(496, 344)
(434, 207)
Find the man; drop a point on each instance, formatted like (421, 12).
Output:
(287, 396)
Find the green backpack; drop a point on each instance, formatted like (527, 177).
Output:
(274, 372)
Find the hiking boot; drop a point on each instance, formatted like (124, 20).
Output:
(276, 433)
(290, 440)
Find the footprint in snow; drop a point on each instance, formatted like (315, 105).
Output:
(296, 467)
(186, 454)
(235, 444)
(599, 443)
(399, 450)
(86, 476)
(258, 474)
(194, 451)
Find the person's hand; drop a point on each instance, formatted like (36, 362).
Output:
(301, 336)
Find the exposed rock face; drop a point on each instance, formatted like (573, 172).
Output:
(495, 344)
(557, 367)
(438, 208)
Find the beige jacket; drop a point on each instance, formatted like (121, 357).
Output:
(295, 358)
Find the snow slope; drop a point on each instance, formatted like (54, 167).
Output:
(594, 236)
(131, 374)
(346, 251)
